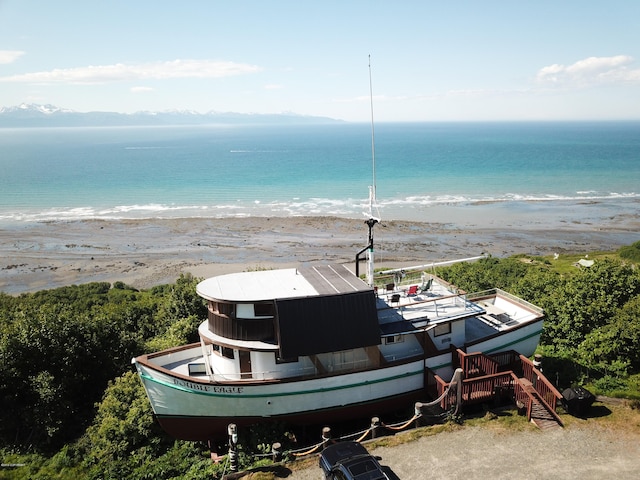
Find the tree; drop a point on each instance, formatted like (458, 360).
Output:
(485, 274)
(614, 348)
(587, 301)
(124, 440)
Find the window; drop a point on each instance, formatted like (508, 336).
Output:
(224, 351)
(442, 329)
(264, 309)
(338, 475)
(393, 339)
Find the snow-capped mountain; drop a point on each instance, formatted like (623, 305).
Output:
(35, 108)
(34, 115)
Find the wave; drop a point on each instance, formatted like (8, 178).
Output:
(257, 151)
(350, 207)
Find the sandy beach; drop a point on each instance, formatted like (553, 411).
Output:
(147, 252)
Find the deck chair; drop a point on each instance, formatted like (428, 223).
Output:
(395, 298)
(425, 287)
(413, 290)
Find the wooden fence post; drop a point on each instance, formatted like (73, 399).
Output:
(233, 447)
(326, 437)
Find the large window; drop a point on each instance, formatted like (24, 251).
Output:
(264, 309)
(224, 351)
(442, 329)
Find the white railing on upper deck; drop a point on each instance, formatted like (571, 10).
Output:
(498, 292)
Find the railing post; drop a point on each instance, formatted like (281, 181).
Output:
(326, 437)
(417, 412)
(375, 427)
(537, 361)
(233, 447)
(276, 451)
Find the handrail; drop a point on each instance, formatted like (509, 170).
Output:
(497, 291)
(505, 359)
(476, 363)
(542, 385)
(485, 386)
(522, 394)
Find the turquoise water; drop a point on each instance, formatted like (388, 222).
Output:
(140, 172)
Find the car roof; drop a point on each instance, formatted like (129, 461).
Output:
(365, 468)
(338, 452)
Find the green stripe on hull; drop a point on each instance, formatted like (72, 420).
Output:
(318, 390)
(279, 394)
(492, 350)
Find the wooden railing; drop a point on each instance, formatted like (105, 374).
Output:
(544, 387)
(474, 390)
(509, 360)
(521, 397)
(484, 388)
(476, 364)
(436, 387)
(526, 395)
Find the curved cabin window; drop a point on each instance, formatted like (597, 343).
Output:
(243, 321)
(223, 351)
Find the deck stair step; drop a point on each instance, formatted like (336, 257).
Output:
(541, 414)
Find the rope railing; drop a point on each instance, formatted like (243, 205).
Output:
(363, 434)
(303, 453)
(403, 425)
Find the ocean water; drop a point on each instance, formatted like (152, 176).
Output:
(219, 171)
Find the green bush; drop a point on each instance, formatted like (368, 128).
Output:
(630, 252)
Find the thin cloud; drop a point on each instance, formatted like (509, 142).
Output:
(141, 89)
(591, 71)
(120, 72)
(9, 56)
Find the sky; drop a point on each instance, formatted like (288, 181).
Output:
(430, 60)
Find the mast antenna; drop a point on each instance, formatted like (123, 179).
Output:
(371, 221)
(372, 189)
(373, 135)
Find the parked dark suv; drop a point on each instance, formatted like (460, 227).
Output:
(350, 461)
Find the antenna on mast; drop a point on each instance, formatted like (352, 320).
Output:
(373, 138)
(372, 189)
(371, 221)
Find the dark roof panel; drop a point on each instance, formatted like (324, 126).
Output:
(313, 325)
(333, 279)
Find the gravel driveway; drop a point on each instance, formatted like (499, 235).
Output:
(584, 450)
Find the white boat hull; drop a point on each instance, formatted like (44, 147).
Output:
(318, 345)
(196, 410)
(193, 409)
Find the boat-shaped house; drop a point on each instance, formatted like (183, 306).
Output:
(318, 345)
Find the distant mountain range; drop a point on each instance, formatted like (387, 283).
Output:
(33, 115)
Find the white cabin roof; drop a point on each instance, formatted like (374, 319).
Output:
(282, 283)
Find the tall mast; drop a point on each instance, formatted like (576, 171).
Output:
(372, 189)
(373, 141)
(371, 221)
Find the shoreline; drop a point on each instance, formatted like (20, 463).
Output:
(144, 253)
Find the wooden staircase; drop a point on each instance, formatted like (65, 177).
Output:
(542, 414)
(539, 411)
(485, 376)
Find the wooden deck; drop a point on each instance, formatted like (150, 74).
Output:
(494, 378)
